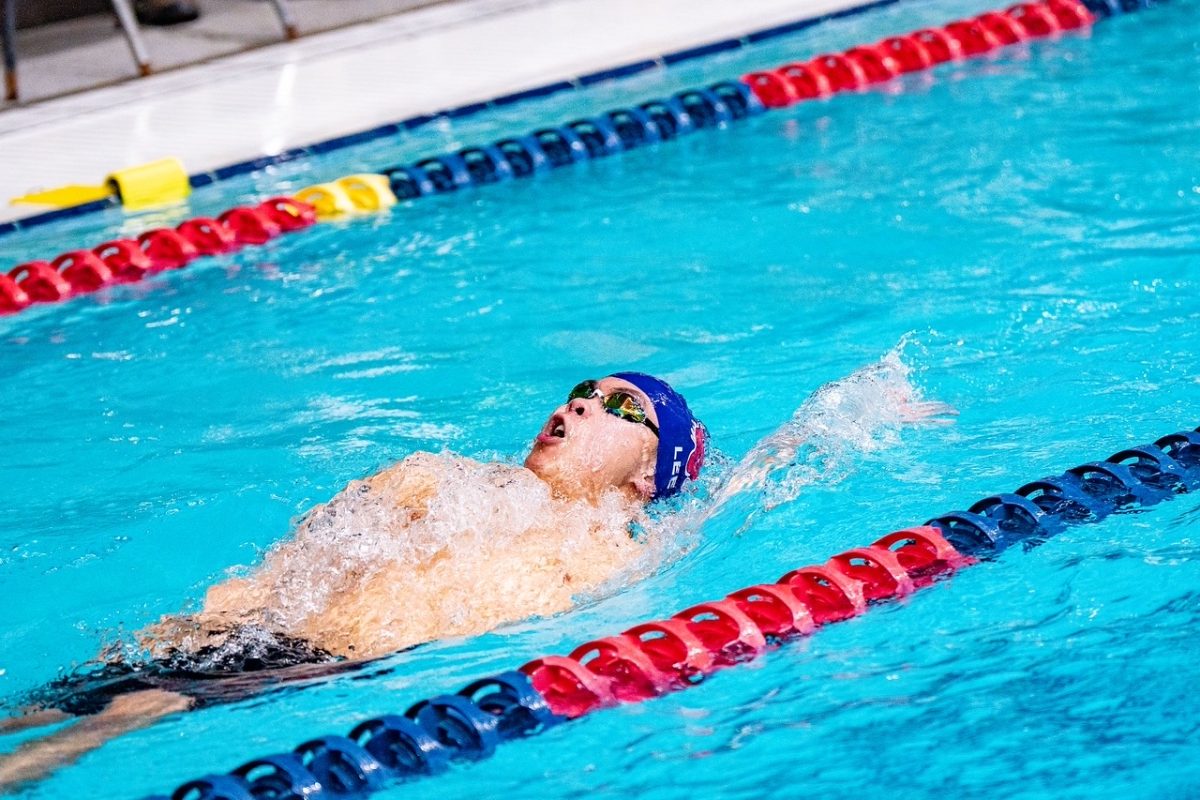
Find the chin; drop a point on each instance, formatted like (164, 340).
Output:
(544, 460)
(558, 466)
(533, 461)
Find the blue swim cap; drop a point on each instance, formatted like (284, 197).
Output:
(681, 437)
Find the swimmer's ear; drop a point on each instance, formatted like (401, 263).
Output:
(644, 487)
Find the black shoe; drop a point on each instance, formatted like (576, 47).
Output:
(165, 12)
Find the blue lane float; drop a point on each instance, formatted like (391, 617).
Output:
(585, 139)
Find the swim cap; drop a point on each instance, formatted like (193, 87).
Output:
(681, 437)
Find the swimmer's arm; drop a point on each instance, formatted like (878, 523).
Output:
(783, 447)
(36, 758)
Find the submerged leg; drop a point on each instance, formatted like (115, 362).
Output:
(39, 757)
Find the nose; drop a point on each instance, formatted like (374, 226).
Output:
(580, 406)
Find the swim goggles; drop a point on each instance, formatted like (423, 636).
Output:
(619, 403)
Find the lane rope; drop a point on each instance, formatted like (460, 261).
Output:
(83, 271)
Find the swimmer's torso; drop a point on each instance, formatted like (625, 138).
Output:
(434, 546)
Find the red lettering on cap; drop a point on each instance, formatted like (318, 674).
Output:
(696, 459)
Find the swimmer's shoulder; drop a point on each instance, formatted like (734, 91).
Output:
(424, 471)
(417, 479)
(418, 472)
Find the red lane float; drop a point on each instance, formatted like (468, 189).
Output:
(875, 63)
(659, 657)
(12, 297)
(776, 610)
(940, 45)
(634, 674)
(1003, 28)
(973, 37)
(575, 688)
(842, 73)
(807, 81)
(167, 248)
(908, 53)
(829, 595)
(1071, 14)
(83, 269)
(724, 630)
(250, 225)
(878, 570)
(672, 646)
(860, 67)
(210, 237)
(1036, 17)
(289, 213)
(41, 282)
(774, 90)
(124, 260)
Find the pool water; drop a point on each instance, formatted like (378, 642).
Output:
(1025, 225)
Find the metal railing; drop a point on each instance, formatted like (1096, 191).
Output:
(129, 26)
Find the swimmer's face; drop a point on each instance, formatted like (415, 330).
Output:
(583, 450)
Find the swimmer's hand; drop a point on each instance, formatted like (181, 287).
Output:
(927, 413)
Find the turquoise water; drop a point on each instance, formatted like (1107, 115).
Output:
(1028, 221)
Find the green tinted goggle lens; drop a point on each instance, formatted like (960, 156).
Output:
(583, 391)
(619, 403)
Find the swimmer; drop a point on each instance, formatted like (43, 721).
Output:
(438, 546)
(434, 546)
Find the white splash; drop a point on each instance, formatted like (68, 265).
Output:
(821, 442)
(438, 546)
(861, 413)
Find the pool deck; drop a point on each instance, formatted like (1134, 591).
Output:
(292, 94)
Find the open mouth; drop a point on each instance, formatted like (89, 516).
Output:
(554, 430)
